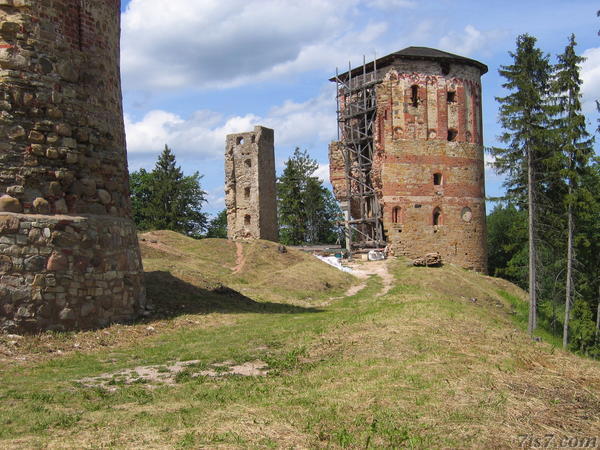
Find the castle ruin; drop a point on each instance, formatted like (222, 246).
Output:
(69, 256)
(250, 188)
(408, 167)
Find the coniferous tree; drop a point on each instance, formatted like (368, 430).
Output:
(576, 146)
(307, 211)
(165, 199)
(524, 115)
(217, 227)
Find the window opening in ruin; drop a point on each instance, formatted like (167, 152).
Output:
(239, 140)
(247, 219)
(414, 95)
(417, 206)
(253, 139)
(451, 96)
(437, 179)
(396, 215)
(247, 192)
(248, 163)
(437, 216)
(452, 133)
(445, 68)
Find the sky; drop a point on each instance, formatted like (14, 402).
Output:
(194, 71)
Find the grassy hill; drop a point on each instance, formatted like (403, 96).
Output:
(250, 347)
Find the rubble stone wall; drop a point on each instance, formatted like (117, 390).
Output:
(250, 187)
(63, 168)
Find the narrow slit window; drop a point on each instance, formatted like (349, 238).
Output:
(247, 219)
(247, 192)
(437, 179)
(396, 215)
(437, 216)
(414, 95)
(452, 133)
(451, 96)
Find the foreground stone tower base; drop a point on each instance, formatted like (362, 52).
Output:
(69, 256)
(250, 187)
(68, 272)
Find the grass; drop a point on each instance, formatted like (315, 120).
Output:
(436, 362)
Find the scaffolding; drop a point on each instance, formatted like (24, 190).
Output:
(356, 113)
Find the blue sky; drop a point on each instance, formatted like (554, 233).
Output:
(196, 70)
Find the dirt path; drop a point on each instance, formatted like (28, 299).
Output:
(364, 270)
(240, 261)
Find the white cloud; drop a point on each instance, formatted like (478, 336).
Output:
(202, 135)
(323, 172)
(391, 4)
(590, 75)
(208, 43)
(469, 41)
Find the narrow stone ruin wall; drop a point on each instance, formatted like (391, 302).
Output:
(250, 187)
(69, 256)
(428, 164)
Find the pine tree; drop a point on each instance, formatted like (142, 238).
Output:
(524, 115)
(576, 146)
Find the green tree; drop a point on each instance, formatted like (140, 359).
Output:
(576, 147)
(165, 199)
(525, 117)
(307, 210)
(217, 227)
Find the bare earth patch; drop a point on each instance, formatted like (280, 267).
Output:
(153, 376)
(365, 269)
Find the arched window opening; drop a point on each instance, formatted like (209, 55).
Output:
(451, 96)
(437, 216)
(248, 163)
(437, 179)
(239, 140)
(414, 95)
(452, 133)
(396, 215)
(247, 219)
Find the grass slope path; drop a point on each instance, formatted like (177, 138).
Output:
(438, 361)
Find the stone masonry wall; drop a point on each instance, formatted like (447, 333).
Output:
(250, 187)
(428, 165)
(70, 257)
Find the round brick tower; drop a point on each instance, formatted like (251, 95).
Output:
(69, 256)
(429, 155)
(421, 114)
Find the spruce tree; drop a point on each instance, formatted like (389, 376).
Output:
(165, 199)
(577, 149)
(525, 117)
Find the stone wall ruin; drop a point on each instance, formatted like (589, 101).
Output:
(250, 187)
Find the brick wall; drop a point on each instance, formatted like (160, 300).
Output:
(428, 122)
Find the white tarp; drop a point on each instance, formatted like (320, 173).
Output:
(335, 262)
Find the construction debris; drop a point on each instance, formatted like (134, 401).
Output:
(430, 259)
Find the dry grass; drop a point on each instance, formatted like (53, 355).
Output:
(436, 362)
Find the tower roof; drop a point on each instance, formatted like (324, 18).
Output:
(417, 53)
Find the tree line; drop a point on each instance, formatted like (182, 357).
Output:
(165, 199)
(545, 234)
